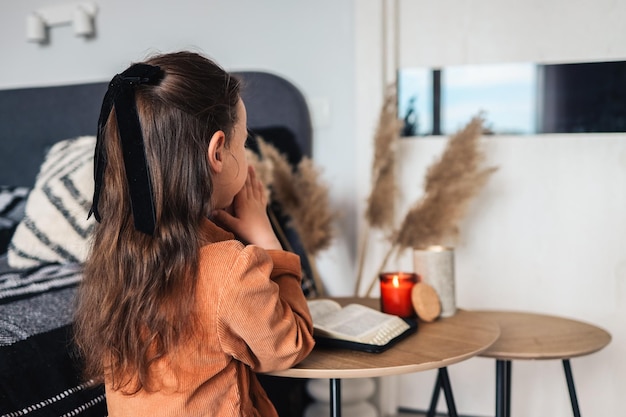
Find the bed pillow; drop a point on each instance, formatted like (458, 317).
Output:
(12, 204)
(55, 228)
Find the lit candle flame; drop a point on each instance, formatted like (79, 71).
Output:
(395, 281)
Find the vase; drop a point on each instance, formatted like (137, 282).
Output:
(356, 394)
(435, 266)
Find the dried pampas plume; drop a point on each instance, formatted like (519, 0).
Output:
(312, 218)
(380, 210)
(281, 175)
(450, 184)
(380, 207)
(300, 193)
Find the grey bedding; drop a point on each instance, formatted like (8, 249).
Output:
(39, 373)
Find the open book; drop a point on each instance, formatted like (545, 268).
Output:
(356, 326)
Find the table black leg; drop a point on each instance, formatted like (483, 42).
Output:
(570, 386)
(442, 383)
(503, 388)
(335, 397)
(508, 388)
(447, 391)
(435, 398)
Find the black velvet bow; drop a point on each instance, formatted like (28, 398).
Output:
(121, 93)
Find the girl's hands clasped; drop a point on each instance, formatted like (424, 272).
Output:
(249, 219)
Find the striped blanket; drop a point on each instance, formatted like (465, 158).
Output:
(39, 374)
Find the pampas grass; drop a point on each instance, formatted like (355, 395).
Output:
(301, 194)
(450, 184)
(380, 210)
(312, 216)
(380, 204)
(449, 187)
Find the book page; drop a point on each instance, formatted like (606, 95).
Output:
(359, 323)
(320, 308)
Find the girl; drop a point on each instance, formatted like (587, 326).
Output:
(175, 313)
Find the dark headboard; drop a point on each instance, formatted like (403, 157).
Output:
(33, 119)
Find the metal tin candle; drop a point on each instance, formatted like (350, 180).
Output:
(395, 293)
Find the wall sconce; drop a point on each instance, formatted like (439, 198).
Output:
(80, 15)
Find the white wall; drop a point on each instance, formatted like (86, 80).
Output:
(547, 234)
(309, 43)
(455, 32)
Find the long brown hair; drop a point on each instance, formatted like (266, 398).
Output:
(133, 302)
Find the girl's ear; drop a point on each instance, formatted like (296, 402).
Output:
(215, 153)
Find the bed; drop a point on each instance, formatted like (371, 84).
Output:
(39, 373)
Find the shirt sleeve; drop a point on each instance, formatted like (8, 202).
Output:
(264, 319)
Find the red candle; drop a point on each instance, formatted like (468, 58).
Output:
(395, 293)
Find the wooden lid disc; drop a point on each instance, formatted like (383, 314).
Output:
(425, 301)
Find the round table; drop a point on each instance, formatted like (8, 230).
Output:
(539, 337)
(435, 345)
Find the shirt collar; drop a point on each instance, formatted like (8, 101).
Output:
(213, 233)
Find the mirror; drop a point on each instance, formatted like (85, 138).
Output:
(514, 98)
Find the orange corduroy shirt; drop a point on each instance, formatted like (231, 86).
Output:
(254, 318)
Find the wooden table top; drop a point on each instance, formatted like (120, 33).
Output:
(441, 343)
(539, 336)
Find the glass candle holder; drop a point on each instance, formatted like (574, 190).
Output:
(395, 293)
